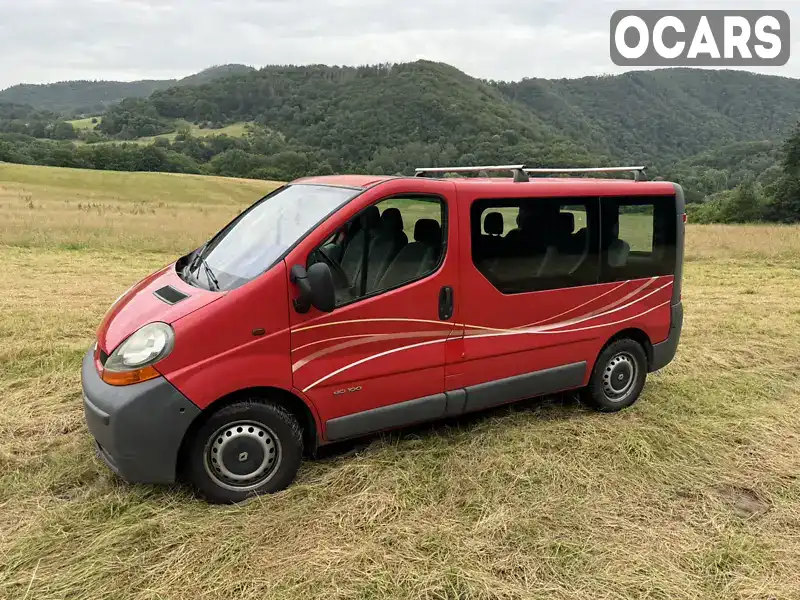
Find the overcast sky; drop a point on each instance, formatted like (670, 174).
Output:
(55, 40)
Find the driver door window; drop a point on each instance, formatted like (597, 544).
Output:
(387, 245)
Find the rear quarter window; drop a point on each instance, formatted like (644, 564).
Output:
(638, 237)
(534, 244)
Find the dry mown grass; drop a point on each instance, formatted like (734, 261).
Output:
(73, 209)
(693, 493)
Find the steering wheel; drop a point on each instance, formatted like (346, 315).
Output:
(337, 269)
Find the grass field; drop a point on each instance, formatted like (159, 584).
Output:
(85, 123)
(693, 493)
(233, 130)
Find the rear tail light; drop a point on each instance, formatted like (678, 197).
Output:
(684, 218)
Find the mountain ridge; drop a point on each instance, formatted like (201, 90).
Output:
(84, 96)
(660, 116)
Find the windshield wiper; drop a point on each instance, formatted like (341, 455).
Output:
(191, 266)
(200, 261)
(212, 280)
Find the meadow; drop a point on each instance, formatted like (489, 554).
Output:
(232, 130)
(692, 493)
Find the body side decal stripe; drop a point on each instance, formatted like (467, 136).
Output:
(378, 337)
(369, 358)
(518, 332)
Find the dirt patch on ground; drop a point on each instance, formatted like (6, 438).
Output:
(745, 502)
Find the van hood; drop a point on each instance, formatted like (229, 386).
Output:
(140, 305)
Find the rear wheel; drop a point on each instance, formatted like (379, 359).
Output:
(618, 376)
(245, 449)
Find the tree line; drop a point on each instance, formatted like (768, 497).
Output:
(25, 120)
(260, 156)
(774, 198)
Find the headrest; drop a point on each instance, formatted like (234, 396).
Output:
(566, 222)
(392, 220)
(528, 220)
(493, 223)
(428, 231)
(370, 217)
(618, 254)
(523, 214)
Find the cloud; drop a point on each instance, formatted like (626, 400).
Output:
(53, 40)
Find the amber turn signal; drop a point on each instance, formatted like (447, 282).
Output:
(129, 377)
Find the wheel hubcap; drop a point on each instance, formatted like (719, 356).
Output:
(243, 455)
(619, 377)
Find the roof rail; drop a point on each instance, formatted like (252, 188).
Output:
(517, 170)
(639, 172)
(521, 173)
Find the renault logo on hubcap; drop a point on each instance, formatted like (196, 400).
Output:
(243, 456)
(621, 377)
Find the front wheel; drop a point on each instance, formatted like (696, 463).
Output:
(618, 376)
(245, 449)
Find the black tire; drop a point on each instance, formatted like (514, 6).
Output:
(245, 449)
(618, 376)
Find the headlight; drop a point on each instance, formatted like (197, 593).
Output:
(147, 346)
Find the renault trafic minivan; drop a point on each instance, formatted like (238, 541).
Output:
(339, 306)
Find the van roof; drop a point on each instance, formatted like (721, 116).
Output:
(558, 185)
(355, 181)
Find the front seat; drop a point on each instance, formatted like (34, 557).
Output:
(417, 258)
(354, 252)
(389, 240)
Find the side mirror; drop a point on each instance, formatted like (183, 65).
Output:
(316, 288)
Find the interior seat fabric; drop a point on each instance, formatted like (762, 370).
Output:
(417, 258)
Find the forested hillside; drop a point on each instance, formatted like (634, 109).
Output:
(712, 131)
(379, 119)
(86, 97)
(659, 117)
(666, 115)
(24, 119)
(80, 96)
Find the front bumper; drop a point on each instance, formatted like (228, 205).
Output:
(138, 428)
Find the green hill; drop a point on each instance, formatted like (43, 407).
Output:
(80, 96)
(88, 97)
(374, 114)
(213, 73)
(665, 115)
(379, 118)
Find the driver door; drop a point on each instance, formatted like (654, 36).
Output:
(377, 361)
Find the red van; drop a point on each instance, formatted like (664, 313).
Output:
(344, 305)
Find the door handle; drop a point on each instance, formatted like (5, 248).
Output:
(445, 303)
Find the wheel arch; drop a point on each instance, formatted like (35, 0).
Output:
(304, 414)
(635, 334)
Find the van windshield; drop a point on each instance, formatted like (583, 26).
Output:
(261, 235)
